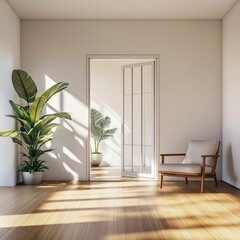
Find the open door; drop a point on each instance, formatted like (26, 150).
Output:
(138, 123)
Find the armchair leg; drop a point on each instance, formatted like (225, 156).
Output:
(186, 180)
(202, 185)
(161, 180)
(215, 179)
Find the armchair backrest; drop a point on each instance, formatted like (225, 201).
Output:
(197, 148)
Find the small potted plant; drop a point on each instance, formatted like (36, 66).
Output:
(34, 128)
(99, 131)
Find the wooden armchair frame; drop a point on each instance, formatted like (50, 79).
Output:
(202, 175)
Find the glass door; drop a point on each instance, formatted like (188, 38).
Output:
(138, 126)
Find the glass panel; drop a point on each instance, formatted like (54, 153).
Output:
(137, 80)
(136, 158)
(148, 156)
(148, 119)
(127, 81)
(137, 119)
(128, 119)
(127, 165)
(148, 78)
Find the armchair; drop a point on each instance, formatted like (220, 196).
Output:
(200, 161)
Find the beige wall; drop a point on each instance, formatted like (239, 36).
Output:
(9, 59)
(190, 78)
(231, 97)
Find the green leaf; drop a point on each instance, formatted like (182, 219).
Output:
(19, 111)
(24, 85)
(35, 153)
(54, 89)
(9, 133)
(47, 119)
(48, 128)
(42, 143)
(59, 115)
(45, 137)
(34, 132)
(48, 150)
(33, 166)
(36, 108)
(99, 125)
(26, 138)
(95, 116)
(27, 126)
(104, 122)
(16, 109)
(17, 141)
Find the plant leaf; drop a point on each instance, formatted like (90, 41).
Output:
(104, 122)
(54, 89)
(26, 138)
(17, 141)
(19, 111)
(35, 153)
(95, 116)
(47, 128)
(36, 108)
(45, 137)
(58, 115)
(24, 85)
(48, 150)
(9, 133)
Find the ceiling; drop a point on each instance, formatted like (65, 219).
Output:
(121, 9)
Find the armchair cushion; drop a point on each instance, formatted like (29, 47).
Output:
(197, 148)
(183, 168)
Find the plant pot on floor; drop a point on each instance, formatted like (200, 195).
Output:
(32, 178)
(96, 159)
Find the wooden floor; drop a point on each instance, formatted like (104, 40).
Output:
(106, 173)
(119, 210)
(109, 173)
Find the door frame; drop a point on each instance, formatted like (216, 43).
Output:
(155, 57)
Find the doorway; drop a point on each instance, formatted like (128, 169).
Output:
(124, 89)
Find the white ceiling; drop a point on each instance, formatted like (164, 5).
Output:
(121, 9)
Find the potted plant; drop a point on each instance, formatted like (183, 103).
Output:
(99, 131)
(34, 129)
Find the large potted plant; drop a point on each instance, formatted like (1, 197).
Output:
(99, 131)
(34, 129)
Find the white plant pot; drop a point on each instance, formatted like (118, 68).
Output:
(32, 178)
(96, 159)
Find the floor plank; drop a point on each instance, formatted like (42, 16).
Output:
(119, 210)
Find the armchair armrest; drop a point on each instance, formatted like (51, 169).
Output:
(206, 156)
(173, 154)
(214, 158)
(170, 155)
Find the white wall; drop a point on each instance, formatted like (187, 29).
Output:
(231, 97)
(190, 77)
(9, 59)
(106, 97)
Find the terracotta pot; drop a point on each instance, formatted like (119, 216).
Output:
(96, 159)
(32, 178)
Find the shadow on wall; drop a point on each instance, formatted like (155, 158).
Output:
(111, 148)
(65, 163)
(230, 164)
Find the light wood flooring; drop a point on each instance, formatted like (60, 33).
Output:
(106, 173)
(110, 173)
(119, 210)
